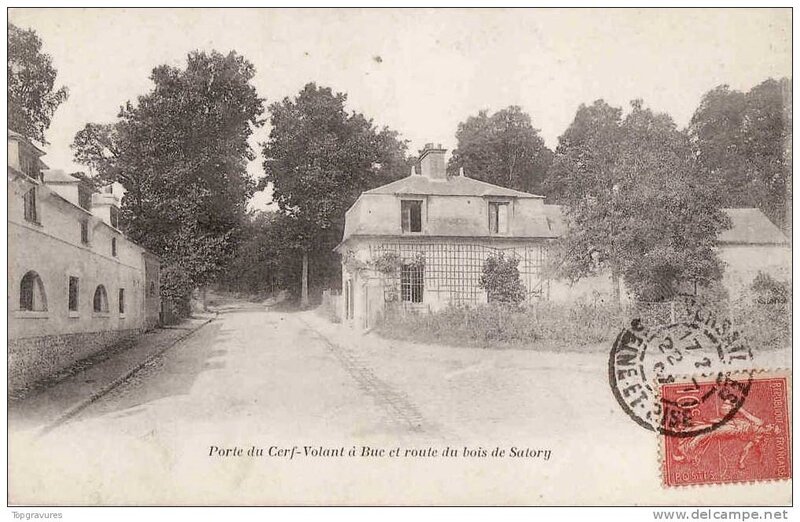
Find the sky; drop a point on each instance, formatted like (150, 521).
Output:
(418, 71)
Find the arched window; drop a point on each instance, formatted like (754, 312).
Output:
(100, 299)
(31, 293)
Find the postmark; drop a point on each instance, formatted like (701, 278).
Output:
(753, 444)
(700, 343)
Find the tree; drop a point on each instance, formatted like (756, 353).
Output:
(319, 158)
(634, 203)
(32, 96)
(261, 262)
(742, 142)
(181, 153)
(504, 149)
(500, 278)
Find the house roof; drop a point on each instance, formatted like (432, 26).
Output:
(19, 137)
(749, 226)
(59, 176)
(451, 186)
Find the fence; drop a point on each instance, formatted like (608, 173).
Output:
(452, 271)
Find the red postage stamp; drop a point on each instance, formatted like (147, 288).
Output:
(729, 440)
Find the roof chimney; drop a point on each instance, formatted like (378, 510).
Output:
(431, 161)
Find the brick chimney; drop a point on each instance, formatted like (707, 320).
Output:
(431, 161)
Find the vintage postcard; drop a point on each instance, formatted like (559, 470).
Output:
(399, 257)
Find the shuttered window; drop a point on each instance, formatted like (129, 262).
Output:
(498, 218)
(411, 212)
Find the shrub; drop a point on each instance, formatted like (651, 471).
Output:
(500, 279)
(176, 290)
(763, 315)
(768, 290)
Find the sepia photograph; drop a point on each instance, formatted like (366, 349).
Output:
(400, 257)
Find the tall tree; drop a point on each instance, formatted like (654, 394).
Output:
(634, 202)
(504, 149)
(743, 146)
(319, 158)
(181, 153)
(32, 95)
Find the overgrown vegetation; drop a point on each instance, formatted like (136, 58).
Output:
(500, 278)
(496, 325)
(549, 326)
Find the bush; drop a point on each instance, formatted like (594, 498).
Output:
(768, 290)
(176, 290)
(764, 314)
(500, 279)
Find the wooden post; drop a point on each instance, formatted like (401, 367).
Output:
(304, 290)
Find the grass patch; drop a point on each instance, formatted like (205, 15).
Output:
(559, 327)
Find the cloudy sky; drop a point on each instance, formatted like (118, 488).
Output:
(435, 67)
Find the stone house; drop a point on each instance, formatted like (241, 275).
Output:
(439, 230)
(419, 243)
(76, 284)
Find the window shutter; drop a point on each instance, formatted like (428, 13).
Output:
(493, 217)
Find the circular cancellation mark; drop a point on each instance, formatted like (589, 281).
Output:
(701, 347)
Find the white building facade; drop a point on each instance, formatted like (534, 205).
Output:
(76, 284)
(434, 232)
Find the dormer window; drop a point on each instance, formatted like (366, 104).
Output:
(411, 215)
(114, 216)
(29, 164)
(85, 197)
(498, 217)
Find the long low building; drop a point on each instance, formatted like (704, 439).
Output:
(76, 284)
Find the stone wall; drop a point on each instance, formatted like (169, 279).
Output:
(31, 359)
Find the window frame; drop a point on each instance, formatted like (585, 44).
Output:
(412, 283)
(29, 164)
(409, 203)
(84, 232)
(114, 247)
(73, 298)
(102, 308)
(494, 217)
(30, 206)
(121, 302)
(84, 197)
(31, 284)
(113, 216)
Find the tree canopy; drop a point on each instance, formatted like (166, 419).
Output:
(32, 95)
(504, 149)
(319, 158)
(181, 154)
(634, 202)
(742, 142)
